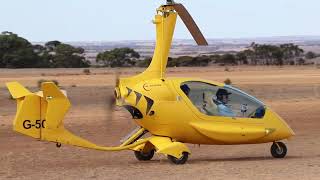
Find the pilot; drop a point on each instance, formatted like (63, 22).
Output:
(209, 107)
(185, 88)
(222, 99)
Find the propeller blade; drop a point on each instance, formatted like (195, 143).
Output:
(110, 108)
(191, 24)
(117, 74)
(111, 99)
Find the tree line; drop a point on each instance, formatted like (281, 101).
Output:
(255, 54)
(17, 52)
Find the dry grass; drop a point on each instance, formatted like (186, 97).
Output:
(291, 91)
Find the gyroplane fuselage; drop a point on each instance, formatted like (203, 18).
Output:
(190, 110)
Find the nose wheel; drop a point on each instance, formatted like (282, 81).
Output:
(182, 160)
(278, 150)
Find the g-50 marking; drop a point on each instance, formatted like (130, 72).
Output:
(39, 124)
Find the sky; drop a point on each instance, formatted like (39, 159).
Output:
(115, 20)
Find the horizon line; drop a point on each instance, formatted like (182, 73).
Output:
(189, 39)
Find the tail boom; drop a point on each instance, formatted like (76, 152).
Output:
(41, 115)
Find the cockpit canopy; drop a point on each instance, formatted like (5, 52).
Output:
(227, 101)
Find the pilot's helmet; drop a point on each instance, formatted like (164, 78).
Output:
(222, 92)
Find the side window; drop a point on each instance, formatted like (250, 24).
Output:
(222, 101)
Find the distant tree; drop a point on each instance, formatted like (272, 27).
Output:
(119, 57)
(16, 52)
(200, 61)
(183, 61)
(188, 61)
(278, 55)
(251, 56)
(291, 51)
(301, 61)
(171, 62)
(310, 55)
(44, 55)
(271, 54)
(67, 56)
(264, 53)
(144, 63)
(215, 58)
(242, 58)
(51, 45)
(228, 59)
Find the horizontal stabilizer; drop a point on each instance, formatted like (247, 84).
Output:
(17, 90)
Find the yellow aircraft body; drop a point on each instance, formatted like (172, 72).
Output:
(161, 107)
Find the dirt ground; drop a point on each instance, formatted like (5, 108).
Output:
(293, 92)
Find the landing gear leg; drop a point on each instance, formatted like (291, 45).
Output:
(278, 150)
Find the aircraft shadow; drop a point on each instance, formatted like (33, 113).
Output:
(239, 159)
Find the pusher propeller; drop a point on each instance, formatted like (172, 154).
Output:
(111, 98)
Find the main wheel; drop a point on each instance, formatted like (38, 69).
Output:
(278, 150)
(181, 160)
(142, 156)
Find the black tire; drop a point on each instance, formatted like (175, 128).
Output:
(278, 150)
(181, 160)
(141, 156)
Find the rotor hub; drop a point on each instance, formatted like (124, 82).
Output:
(170, 2)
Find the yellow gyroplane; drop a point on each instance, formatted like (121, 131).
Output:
(169, 111)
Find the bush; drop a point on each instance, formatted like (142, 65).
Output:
(228, 81)
(86, 71)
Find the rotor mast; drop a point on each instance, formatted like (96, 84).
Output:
(165, 21)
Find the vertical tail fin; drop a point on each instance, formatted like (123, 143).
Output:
(57, 105)
(40, 115)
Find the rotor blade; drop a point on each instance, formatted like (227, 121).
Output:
(191, 24)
